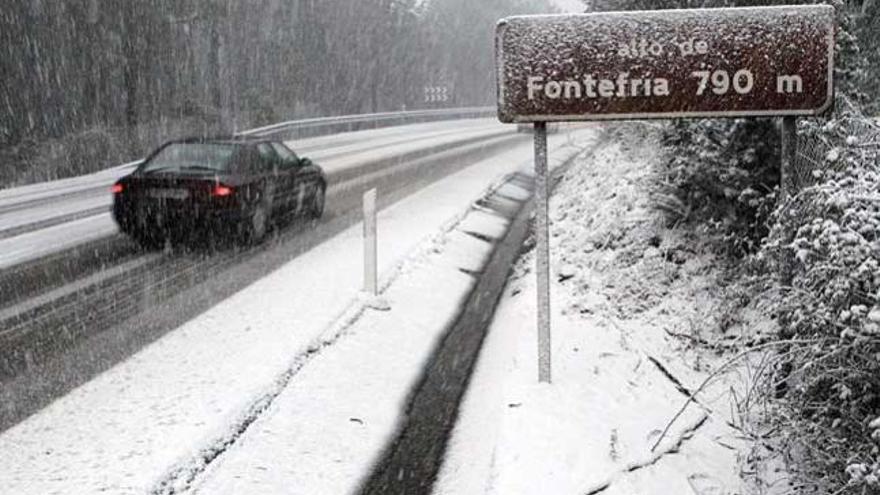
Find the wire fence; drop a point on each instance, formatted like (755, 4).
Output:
(853, 132)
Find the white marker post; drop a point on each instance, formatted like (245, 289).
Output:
(371, 286)
(542, 248)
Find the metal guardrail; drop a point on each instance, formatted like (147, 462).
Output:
(328, 125)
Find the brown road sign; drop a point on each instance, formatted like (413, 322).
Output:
(666, 64)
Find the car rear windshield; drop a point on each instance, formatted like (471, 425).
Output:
(180, 157)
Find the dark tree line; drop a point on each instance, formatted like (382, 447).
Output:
(133, 69)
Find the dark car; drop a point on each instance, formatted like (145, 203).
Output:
(226, 186)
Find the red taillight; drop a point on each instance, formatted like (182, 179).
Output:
(221, 190)
(116, 189)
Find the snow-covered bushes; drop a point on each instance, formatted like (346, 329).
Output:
(833, 306)
(724, 178)
(722, 175)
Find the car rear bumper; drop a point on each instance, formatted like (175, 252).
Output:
(177, 220)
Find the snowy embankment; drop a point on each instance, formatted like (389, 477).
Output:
(152, 423)
(630, 297)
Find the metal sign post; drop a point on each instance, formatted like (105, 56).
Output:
(788, 176)
(788, 179)
(730, 62)
(542, 248)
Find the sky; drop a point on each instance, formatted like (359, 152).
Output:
(570, 5)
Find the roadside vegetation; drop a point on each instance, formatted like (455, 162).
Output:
(829, 382)
(810, 262)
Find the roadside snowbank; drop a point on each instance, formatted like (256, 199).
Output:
(629, 298)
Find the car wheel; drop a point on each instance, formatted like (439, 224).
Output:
(316, 208)
(257, 224)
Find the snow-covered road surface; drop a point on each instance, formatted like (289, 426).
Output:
(175, 401)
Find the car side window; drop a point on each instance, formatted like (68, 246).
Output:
(268, 157)
(249, 161)
(288, 157)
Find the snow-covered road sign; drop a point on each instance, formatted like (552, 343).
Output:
(666, 64)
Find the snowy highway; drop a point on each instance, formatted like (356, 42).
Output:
(439, 247)
(36, 220)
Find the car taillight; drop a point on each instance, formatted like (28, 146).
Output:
(117, 188)
(221, 190)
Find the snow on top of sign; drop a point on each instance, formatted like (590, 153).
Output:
(708, 13)
(659, 21)
(569, 5)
